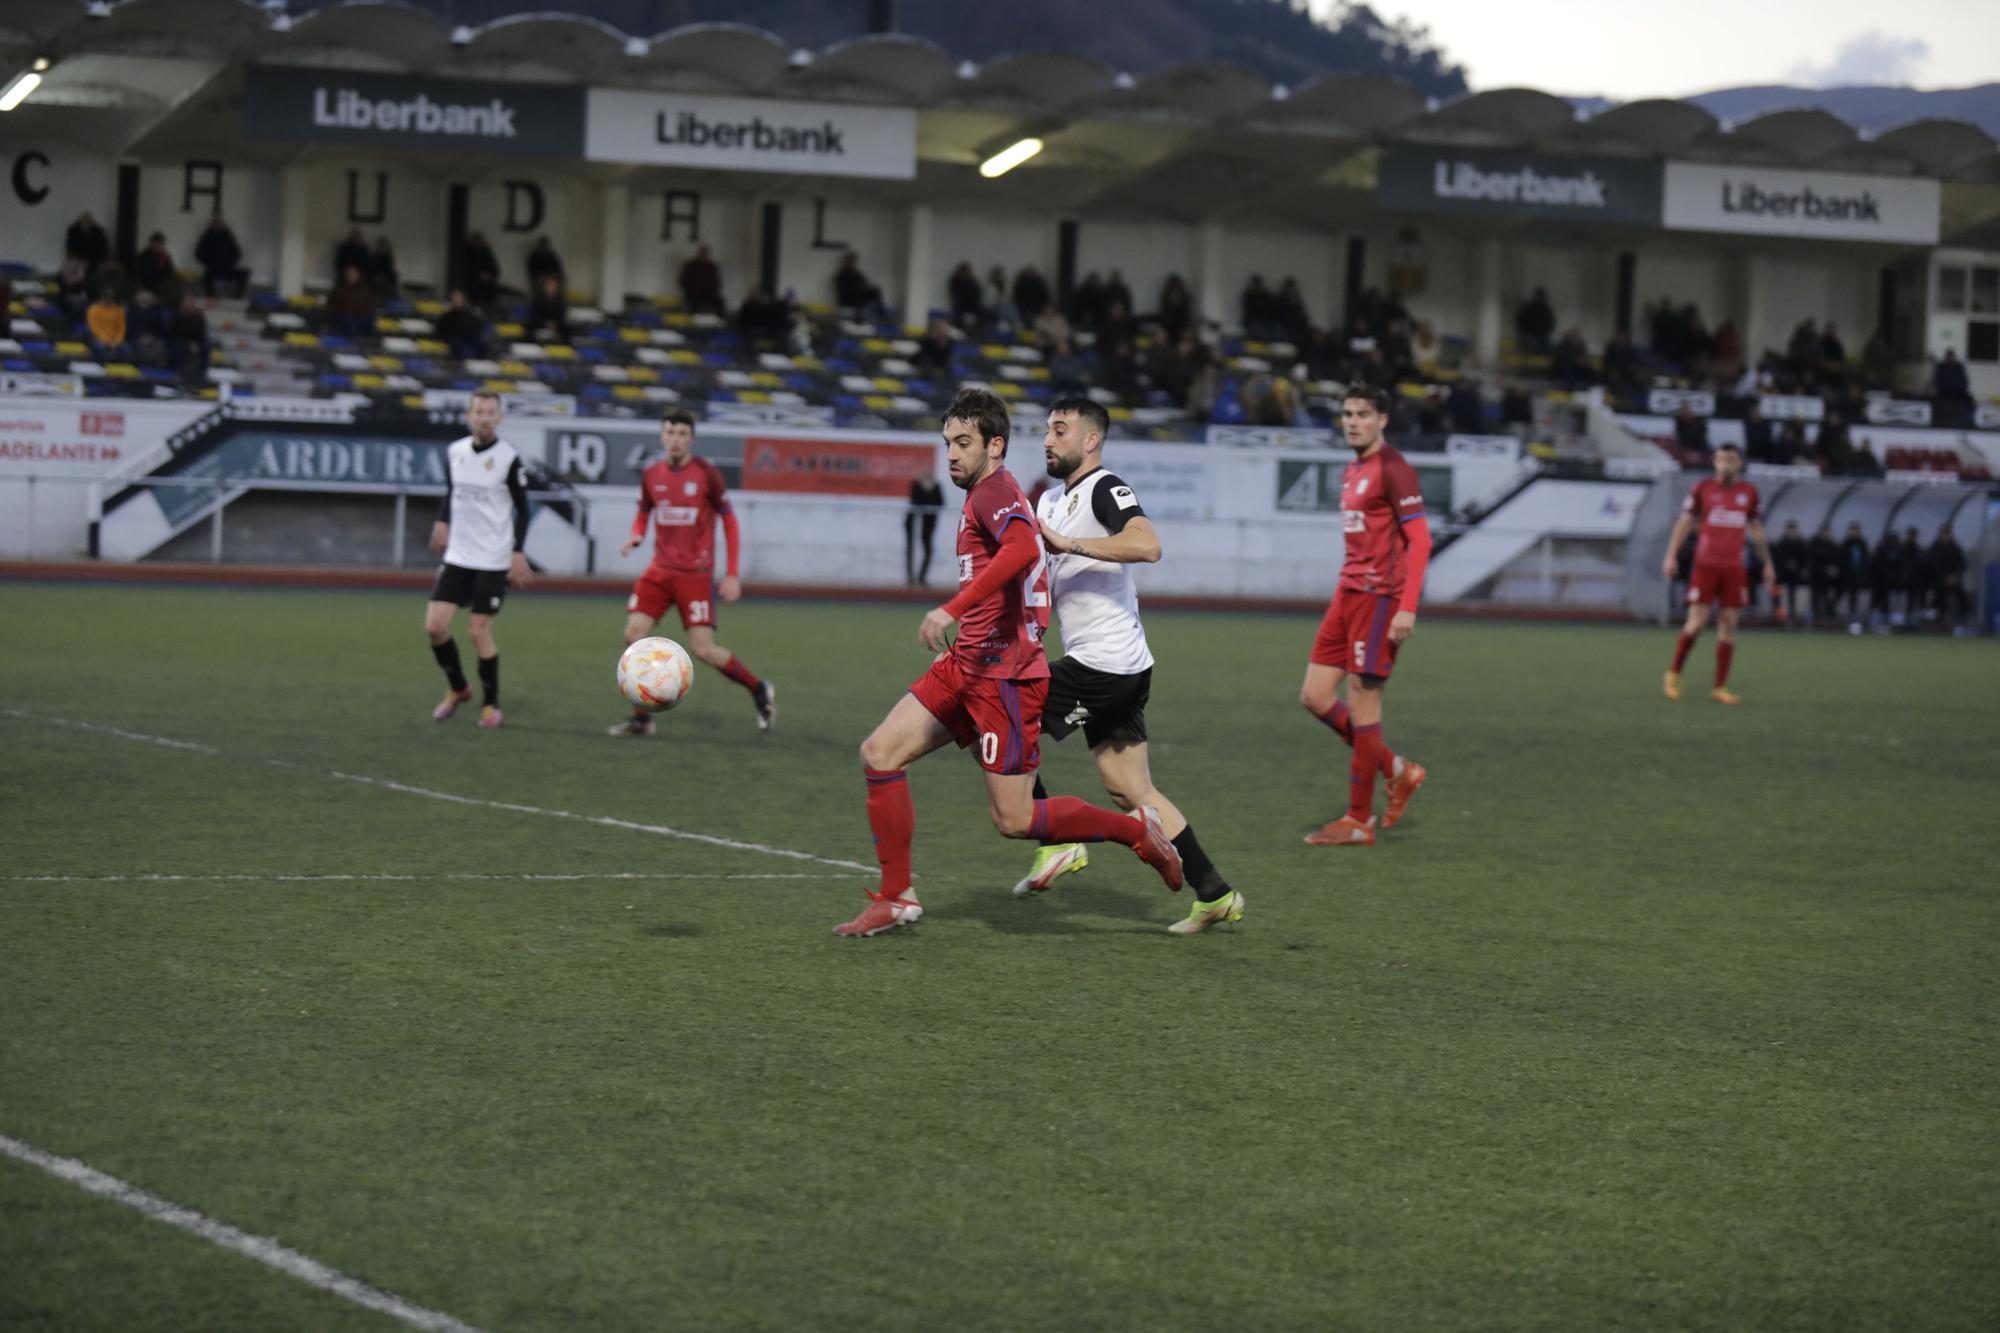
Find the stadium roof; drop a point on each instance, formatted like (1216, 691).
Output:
(1195, 141)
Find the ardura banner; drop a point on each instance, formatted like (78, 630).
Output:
(750, 134)
(310, 105)
(1778, 201)
(1495, 183)
(835, 467)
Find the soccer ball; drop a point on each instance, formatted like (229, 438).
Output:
(655, 674)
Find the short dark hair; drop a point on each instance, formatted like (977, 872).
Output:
(678, 416)
(477, 394)
(1727, 448)
(984, 409)
(1087, 410)
(1374, 395)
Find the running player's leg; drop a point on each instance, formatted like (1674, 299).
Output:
(479, 628)
(910, 731)
(695, 595)
(444, 649)
(649, 601)
(1725, 652)
(1054, 859)
(1128, 779)
(1697, 616)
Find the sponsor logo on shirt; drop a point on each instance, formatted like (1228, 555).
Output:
(676, 516)
(1353, 520)
(1123, 495)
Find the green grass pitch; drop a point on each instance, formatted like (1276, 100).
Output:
(1650, 1016)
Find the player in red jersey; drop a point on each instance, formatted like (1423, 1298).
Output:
(986, 688)
(683, 496)
(1374, 610)
(1727, 509)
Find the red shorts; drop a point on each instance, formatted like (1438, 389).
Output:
(1354, 634)
(1003, 716)
(1719, 585)
(658, 589)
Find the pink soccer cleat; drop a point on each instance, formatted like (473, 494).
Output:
(452, 699)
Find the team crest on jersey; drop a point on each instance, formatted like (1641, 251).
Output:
(1361, 487)
(688, 488)
(489, 465)
(1072, 503)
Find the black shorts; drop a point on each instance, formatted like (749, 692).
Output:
(1108, 707)
(480, 589)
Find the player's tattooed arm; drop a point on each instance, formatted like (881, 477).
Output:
(1138, 544)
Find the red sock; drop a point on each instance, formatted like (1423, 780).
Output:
(1681, 647)
(1387, 756)
(1336, 717)
(1725, 649)
(1361, 771)
(742, 675)
(1067, 819)
(894, 819)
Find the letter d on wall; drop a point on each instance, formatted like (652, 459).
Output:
(526, 206)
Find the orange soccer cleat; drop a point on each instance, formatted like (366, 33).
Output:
(1403, 785)
(883, 913)
(1671, 687)
(1156, 849)
(1723, 696)
(1346, 831)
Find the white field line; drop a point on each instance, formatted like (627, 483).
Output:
(380, 879)
(264, 1250)
(512, 807)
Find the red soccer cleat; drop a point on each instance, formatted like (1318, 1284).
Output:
(1346, 831)
(883, 913)
(1402, 786)
(1156, 849)
(452, 699)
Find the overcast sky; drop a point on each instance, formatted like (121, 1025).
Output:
(1652, 49)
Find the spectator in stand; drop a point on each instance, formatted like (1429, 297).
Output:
(701, 284)
(1517, 410)
(935, 347)
(1946, 559)
(1691, 433)
(1259, 308)
(351, 253)
(86, 240)
(1878, 362)
(155, 269)
(221, 260)
(1001, 312)
(1086, 303)
(966, 296)
(1861, 462)
(1919, 576)
(352, 303)
(1832, 351)
(1823, 564)
(382, 274)
(1854, 560)
(548, 312)
(1397, 355)
(1117, 293)
(1802, 356)
(187, 341)
(1053, 326)
(105, 322)
(73, 287)
(1425, 351)
(1294, 321)
(1951, 391)
(461, 329)
(1069, 369)
(1176, 313)
(1758, 444)
(1118, 323)
(6, 298)
(1535, 323)
(1571, 364)
(1622, 373)
(482, 270)
(920, 529)
(1791, 563)
(1117, 355)
(146, 328)
(1697, 347)
(1031, 295)
(853, 291)
(1835, 448)
(544, 262)
(1728, 350)
(1463, 406)
(1887, 579)
(1791, 445)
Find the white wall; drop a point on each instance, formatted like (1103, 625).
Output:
(1581, 281)
(76, 181)
(1681, 274)
(878, 236)
(728, 228)
(249, 204)
(569, 220)
(1816, 286)
(413, 209)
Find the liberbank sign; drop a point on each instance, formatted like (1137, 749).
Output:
(750, 134)
(1470, 182)
(300, 104)
(1775, 201)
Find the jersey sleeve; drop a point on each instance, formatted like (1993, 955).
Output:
(1693, 503)
(1399, 487)
(1755, 510)
(993, 516)
(1113, 504)
(517, 491)
(718, 490)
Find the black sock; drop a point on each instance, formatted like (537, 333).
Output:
(1199, 870)
(489, 679)
(446, 654)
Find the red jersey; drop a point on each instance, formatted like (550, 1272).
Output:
(1001, 636)
(1726, 513)
(684, 503)
(1378, 495)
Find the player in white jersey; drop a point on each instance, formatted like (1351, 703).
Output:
(479, 532)
(1095, 529)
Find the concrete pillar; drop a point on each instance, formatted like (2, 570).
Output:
(917, 296)
(1211, 298)
(1488, 314)
(614, 207)
(292, 205)
(1753, 306)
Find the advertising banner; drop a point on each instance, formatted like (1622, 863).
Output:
(835, 467)
(36, 385)
(1312, 486)
(1778, 201)
(620, 455)
(750, 134)
(310, 105)
(276, 454)
(56, 438)
(1479, 182)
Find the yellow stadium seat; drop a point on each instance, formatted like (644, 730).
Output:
(509, 330)
(753, 396)
(994, 351)
(560, 352)
(295, 339)
(302, 302)
(518, 369)
(818, 309)
(767, 379)
(384, 362)
(878, 402)
(681, 356)
(808, 363)
(632, 335)
(413, 402)
(432, 347)
(1007, 389)
(677, 321)
(1121, 414)
(119, 370)
(889, 384)
(628, 392)
(879, 346)
(68, 347)
(642, 374)
(1038, 372)
(369, 382)
(385, 325)
(430, 309)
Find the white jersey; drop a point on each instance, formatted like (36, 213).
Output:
(1096, 599)
(487, 505)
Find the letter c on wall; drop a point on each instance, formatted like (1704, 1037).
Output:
(27, 192)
